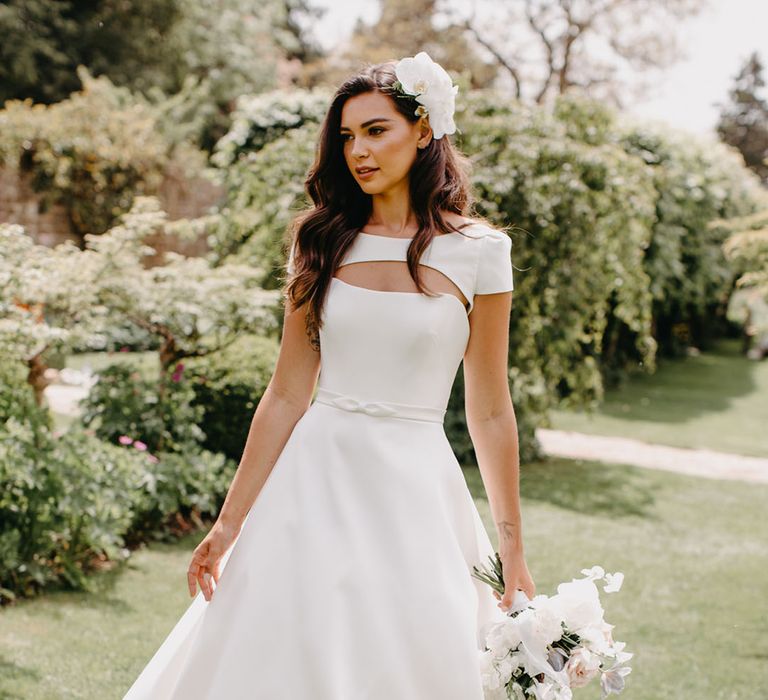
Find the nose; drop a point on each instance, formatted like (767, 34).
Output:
(358, 149)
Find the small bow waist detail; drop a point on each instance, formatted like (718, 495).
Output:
(379, 408)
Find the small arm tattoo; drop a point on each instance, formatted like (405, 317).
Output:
(509, 532)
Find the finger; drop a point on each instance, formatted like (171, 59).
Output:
(193, 571)
(209, 583)
(192, 574)
(203, 587)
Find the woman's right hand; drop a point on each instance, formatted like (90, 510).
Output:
(206, 559)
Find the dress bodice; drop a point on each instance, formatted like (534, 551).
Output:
(406, 347)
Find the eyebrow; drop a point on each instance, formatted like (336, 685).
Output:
(368, 123)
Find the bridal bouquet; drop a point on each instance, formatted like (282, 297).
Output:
(551, 644)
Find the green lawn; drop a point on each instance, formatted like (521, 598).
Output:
(718, 400)
(692, 608)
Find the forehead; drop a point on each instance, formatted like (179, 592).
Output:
(369, 105)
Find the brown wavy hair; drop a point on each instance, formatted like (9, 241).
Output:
(320, 236)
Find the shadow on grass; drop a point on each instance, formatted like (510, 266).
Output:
(10, 672)
(685, 388)
(582, 486)
(102, 592)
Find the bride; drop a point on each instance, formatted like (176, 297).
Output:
(340, 563)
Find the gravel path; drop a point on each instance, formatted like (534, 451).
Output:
(698, 462)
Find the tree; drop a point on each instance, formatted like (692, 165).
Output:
(744, 122)
(549, 46)
(64, 297)
(44, 42)
(396, 34)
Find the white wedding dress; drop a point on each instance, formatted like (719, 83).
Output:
(351, 576)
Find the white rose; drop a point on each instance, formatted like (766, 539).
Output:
(503, 637)
(582, 667)
(547, 626)
(488, 671)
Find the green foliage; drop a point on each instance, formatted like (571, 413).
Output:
(582, 215)
(746, 248)
(73, 503)
(17, 400)
(44, 42)
(265, 191)
(178, 492)
(64, 504)
(191, 307)
(93, 152)
(122, 402)
(228, 386)
(259, 120)
(695, 183)
(263, 163)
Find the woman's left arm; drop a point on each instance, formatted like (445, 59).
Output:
(493, 429)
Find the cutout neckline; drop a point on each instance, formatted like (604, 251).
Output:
(438, 295)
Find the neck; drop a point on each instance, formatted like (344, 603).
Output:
(392, 213)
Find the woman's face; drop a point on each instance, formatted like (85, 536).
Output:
(376, 135)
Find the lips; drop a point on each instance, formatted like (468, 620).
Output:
(363, 171)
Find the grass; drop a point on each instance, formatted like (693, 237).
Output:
(691, 608)
(716, 400)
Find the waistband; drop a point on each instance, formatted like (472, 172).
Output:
(380, 408)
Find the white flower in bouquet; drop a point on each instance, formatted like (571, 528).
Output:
(550, 645)
(490, 672)
(582, 667)
(503, 636)
(612, 680)
(614, 581)
(579, 604)
(550, 691)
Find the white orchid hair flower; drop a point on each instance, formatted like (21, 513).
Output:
(426, 81)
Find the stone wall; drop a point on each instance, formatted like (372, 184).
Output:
(179, 195)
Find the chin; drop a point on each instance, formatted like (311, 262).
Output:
(371, 188)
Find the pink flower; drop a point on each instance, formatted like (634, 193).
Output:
(152, 459)
(582, 667)
(139, 445)
(176, 376)
(125, 440)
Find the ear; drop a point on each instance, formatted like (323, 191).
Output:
(425, 132)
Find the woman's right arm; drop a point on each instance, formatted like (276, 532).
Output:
(285, 400)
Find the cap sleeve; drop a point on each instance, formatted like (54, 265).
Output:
(494, 268)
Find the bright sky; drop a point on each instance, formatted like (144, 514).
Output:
(715, 45)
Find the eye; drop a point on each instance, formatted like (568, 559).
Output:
(371, 130)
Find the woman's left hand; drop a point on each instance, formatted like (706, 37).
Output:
(516, 575)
